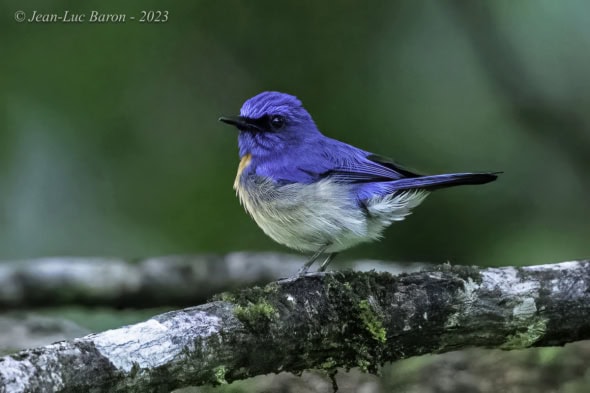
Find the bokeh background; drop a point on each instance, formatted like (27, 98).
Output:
(110, 145)
(110, 142)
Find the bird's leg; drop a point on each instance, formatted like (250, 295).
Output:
(313, 258)
(327, 261)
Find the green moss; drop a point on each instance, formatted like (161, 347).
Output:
(525, 339)
(256, 315)
(271, 288)
(329, 364)
(219, 375)
(252, 306)
(350, 322)
(364, 365)
(224, 297)
(360, 341)
(262, 309)
(251, 295)
(372, 322)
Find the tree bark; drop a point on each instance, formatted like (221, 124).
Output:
(320, 321)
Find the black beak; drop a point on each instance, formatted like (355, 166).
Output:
(242, 123)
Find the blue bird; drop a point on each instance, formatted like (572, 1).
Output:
(317, 194)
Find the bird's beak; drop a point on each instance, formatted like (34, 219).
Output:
(242, 123)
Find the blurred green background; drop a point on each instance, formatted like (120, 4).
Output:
(110, 145)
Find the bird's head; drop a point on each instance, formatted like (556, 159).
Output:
(271, 122)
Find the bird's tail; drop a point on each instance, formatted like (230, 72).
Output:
(434, 182)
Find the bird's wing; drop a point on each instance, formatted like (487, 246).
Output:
(377, 163)
(375, 175)
(351, 165)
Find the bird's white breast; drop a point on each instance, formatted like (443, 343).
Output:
(308, 216)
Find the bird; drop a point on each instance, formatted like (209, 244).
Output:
(316, 194)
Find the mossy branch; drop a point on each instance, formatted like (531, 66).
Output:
(321, 321)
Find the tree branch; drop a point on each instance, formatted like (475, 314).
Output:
(321, 321)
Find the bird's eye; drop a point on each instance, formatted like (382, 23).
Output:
(277, 122)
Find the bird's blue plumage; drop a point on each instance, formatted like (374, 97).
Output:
(312, 192)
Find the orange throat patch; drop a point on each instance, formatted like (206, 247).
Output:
(244, 162)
